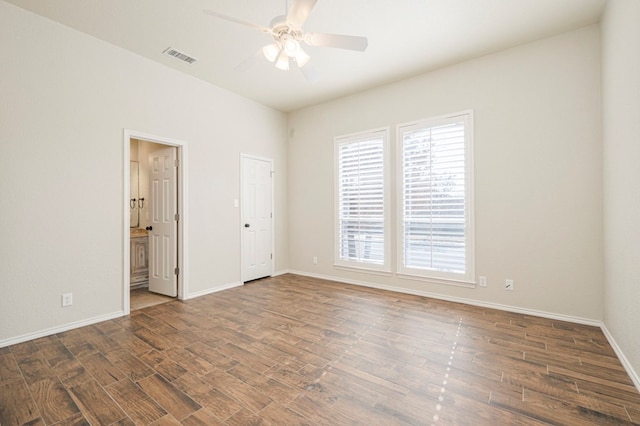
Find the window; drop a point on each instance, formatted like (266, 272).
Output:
(435, 229)
(361, 208)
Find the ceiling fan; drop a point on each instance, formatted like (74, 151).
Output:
(288, 36)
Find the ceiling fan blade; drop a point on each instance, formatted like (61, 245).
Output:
(299, 12)
(250, 62)
(236, 21)
(337, 40)
(310, 73)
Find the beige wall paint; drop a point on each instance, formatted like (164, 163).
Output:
(537, 112)
(538, 171)
(621, 130)
(65, 99)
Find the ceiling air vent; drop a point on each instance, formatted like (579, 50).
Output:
(179, 55)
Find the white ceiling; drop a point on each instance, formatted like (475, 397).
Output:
(406, 37)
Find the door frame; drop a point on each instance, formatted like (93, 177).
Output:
(273, 212)
(181, 203)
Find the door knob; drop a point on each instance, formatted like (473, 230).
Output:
(149, 228)
(246, 225)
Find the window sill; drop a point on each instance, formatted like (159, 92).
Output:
(443, 281)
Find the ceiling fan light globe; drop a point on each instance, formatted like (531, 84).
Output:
(271, 51)
(282, 63)
(291, 47)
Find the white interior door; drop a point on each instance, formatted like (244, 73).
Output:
(163, 241)
(257, 219)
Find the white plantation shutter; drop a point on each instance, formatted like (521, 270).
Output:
(361, 208)
(434, 180)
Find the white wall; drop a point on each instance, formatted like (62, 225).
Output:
(65, 99)
(621, 131)
(537, 112)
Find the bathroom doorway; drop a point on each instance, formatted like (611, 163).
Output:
(155, 216)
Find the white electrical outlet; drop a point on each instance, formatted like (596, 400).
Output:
(67, 299)
(508, 285)
(315, 260)
(483, 281)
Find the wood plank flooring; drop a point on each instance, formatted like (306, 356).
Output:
(293, 350)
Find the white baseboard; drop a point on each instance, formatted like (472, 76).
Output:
(623, 359)
(213, 290)
(560, 317)
(508, 308)
(77, 324)
(281, 272)
(59, 329)
(550, 315)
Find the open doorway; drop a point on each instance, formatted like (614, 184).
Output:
(154, 220)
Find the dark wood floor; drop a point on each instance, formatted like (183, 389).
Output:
(294, 350)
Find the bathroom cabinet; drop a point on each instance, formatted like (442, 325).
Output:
(139, 260)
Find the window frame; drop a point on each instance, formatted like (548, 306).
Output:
(467, 278)
(385, 267)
